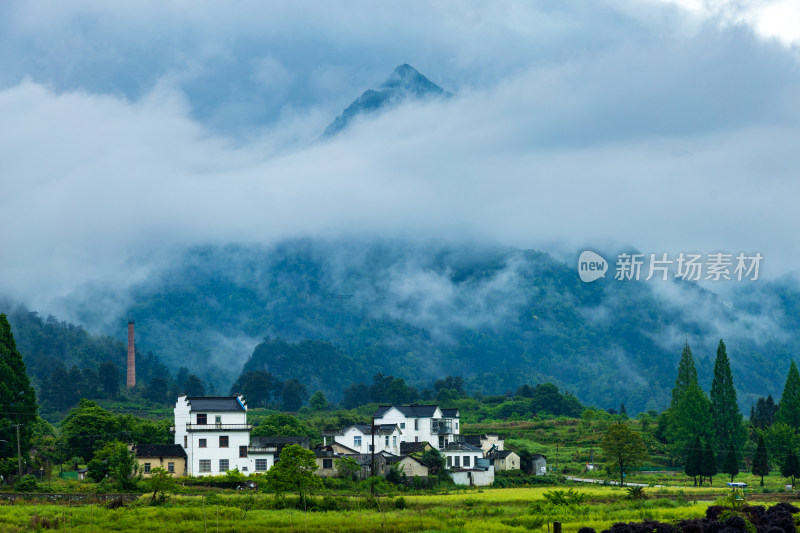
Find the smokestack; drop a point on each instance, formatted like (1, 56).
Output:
(131, 356)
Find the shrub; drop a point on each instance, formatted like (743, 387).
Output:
(26, 483)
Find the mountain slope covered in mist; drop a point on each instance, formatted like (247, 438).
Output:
(498, 316)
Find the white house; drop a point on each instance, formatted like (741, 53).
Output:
(421, 423)
(358, 437)
(214, 433)
(462, 455)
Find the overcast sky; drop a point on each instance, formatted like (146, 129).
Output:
(131, 129)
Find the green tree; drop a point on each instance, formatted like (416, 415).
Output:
(318, 402)
(789, 407)
(623, 448)
(687, 375)
(87, 428)
(725, 415)
(694, 459)
(193, 386)
(293, 395)
(731, 465)
(781, 439)
(689, 419)
(109, 378)
(791, 466)
(17, 397)
(348, 468)
(120, 463)
(294, 472)
(160, 482)
(708, 466)
(760, 460)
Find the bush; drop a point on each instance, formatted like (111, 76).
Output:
(26, 483)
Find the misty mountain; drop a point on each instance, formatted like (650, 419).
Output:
(404, 84)
(498, 316)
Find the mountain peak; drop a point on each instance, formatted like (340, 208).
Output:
(403, 84)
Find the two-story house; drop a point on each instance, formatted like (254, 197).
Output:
(358, 438)
(421, 423)
(214, 433)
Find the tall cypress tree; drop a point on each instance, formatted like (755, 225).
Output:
(731, 465)
(728, 424)
(17, 397)
(689, 419)
(708, 467)
(687, 374)
(791, 466)
(789, 408)
(694, 460)
(760, 460)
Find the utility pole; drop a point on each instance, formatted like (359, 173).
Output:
(372, 469)
(19, 450)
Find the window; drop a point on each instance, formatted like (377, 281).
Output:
(416, 423)
(147, 468)
(416, 439)
(357, 442)
(218, 420)
(202, 419)
(171, 468)
(456, 424)
(327, 463)
(223, 441)
(449, 461)
(387, 441)
(185, 441)
(205, 465)
(402, 425)
(261, 465)
(202, 443)
(394, 440)
(466, 460)
(457, 461)
(370, 447)
(242, 451)
(224, 465)
(244, 469)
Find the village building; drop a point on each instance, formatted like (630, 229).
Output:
(214, 433)
(170, 457)
(421, 423)
(504, 460)
(359, 437)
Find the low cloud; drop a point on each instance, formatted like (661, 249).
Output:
(656, 132)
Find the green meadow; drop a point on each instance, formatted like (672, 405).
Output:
(515, 509)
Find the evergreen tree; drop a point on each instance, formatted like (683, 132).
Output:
(731, 465)
(193, 386)
(687, 374)
(17, 397)
(708, 466)
(727, 420)
(694, 459)
(109, 378)
(791, 466)
(789, 409)
(760, 460)
(689, 419)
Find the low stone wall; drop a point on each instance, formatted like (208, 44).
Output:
(76, 499)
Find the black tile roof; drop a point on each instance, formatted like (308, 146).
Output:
(278, 442)
(379, 428)
(502, 454)
(215, 403)
(413, 447)
(450, 413)
(412, 411)
(160, 450)
(461, 447)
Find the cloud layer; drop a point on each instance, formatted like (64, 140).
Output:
(128, 133)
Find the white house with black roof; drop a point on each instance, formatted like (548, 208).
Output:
(358, 437)
(421, 423)
(214, 433)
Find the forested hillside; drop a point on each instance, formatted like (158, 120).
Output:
(497, 316)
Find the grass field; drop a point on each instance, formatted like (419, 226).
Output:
(517, 509)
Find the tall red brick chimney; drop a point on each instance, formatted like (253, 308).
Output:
(131, 356)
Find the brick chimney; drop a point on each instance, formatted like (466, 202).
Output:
(131, 356)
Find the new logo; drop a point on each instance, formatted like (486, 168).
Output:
(591, 266)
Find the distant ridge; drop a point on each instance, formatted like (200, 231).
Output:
(405, 83)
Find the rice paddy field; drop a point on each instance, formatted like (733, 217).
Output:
(514, 509)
